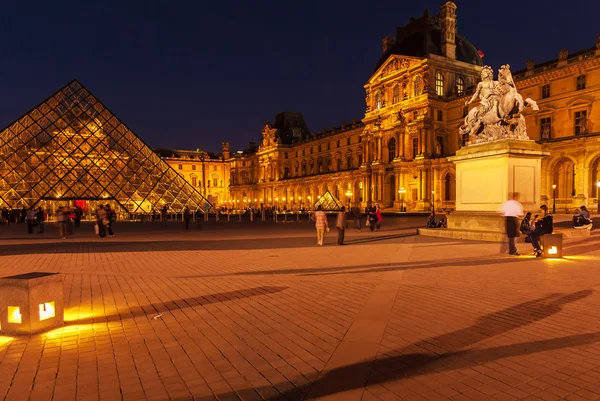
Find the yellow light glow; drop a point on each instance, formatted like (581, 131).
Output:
(553, 250)
(5, 340)
(14, 314)
(46, 310)
(66, 331)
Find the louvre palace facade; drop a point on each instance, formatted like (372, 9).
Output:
(396, 155)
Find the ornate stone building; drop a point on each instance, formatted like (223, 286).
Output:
(206, 172)
(415, 103)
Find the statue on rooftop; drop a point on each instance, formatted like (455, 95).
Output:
(499, 113)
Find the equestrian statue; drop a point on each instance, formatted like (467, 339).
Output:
(499, 113)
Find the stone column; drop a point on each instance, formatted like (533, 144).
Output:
(380, 147)
(403, 143)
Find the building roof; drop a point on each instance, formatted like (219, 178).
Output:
(422, 37)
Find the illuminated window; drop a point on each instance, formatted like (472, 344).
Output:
(439, 84)
(46, 310)
(194, 181)
(415, 147)
(460, 86)
(391, 149)
(378, 100)
(417, 86)
(14, 314)
(396, 94)
(193, 167)
(180, 167)
(215, 182)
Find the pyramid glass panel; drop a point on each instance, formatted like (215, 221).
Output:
(72, 148)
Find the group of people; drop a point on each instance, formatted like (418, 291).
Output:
(105, 217)
(372, 218)
(533, 228)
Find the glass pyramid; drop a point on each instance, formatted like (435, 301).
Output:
(71, 148)
(328, 202)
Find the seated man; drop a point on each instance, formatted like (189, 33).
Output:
(582, 219)
(431, 221)
(543, 225)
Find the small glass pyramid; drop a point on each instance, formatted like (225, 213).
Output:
(328, 202)
(72, 148)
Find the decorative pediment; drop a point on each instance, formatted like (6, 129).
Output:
(583, 101)
(394, 64)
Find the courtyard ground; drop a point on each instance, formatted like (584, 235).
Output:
(259, 312)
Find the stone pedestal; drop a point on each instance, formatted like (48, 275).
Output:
(31, 302)
(486, 176)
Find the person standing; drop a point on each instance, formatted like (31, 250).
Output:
(378, 216)
(341, 225)
(41, 217)
(357, 216)
(62, 219)
(111, 217)
(512, 210)
(187, 216)
(30, 217)
(320, 218)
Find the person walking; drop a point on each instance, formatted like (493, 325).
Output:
(512, 210)
(62, 219)
(378, 216)
(111, 216)
(341, 225)
(320, 218)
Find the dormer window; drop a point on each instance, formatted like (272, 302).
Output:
(439, 84)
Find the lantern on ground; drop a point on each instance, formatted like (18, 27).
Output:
(31, 303)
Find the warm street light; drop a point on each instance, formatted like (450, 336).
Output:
(433, 201)
(349, 195)
(553, 198)
(402, 191)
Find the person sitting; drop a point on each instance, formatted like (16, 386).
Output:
(582, 219)
(431, 221)
(543, 225)
(443, 223)
(526, 227)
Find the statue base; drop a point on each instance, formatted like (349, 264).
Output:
(486, 176)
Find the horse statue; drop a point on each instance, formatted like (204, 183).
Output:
(499, 113)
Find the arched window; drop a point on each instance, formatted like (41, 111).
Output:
(349, 163)
(447, 187)
(378, 100)
(396, 94)
(417, 86)
(391, 149)
(439, 84)
(339, 164)
(460, 86)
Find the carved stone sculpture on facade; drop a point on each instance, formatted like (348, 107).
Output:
(499, 113)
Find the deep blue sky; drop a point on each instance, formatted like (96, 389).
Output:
(188, 74)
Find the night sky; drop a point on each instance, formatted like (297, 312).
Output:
(189, 74)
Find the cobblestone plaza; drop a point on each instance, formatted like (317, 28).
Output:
(258, 312)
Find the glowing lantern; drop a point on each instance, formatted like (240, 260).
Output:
(552, 245)
(31, 303)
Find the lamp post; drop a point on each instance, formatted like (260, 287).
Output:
(402, 191)
(433, 201)
(553, 198)
(598, 196)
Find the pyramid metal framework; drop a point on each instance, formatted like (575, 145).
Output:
(71, 147)
(328, 202)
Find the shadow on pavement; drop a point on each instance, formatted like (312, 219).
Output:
(445, 352)
(193, 244)
(147, 311)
